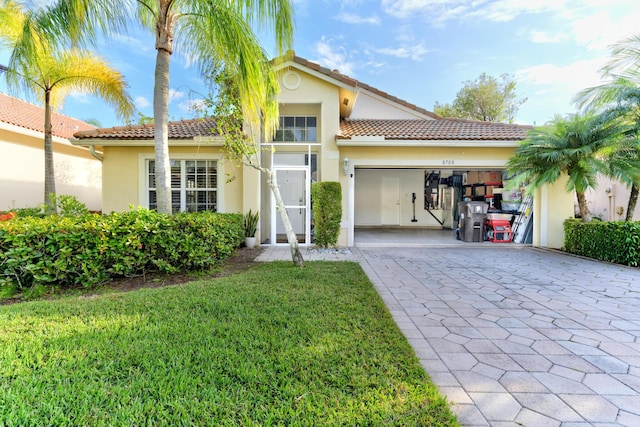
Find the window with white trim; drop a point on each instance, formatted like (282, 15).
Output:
(194, 185)
(297, 129)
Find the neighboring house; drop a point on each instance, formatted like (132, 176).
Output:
(609, 200)
(383, 150)
(77, 172)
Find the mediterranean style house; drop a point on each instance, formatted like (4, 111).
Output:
(395, 162)
(77, 172)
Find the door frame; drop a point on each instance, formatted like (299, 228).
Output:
(307, 205)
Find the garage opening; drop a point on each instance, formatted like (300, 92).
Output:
(431, 206)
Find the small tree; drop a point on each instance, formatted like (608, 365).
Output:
(327, 212)
(486, 99)
(242, 147)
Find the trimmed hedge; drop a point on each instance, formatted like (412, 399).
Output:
(327, 212)
(617, 242)
(90, 249)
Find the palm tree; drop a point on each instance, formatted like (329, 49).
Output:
(50, 73)
(213, 33)
(216, 35)
(578, 146)
(620, 93)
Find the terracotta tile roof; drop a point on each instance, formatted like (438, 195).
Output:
(440, 129)
(182, 129)
(23, 114)
(350, 81)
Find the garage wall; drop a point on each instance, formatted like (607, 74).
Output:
(370, 201)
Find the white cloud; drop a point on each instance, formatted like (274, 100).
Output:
(142, 102)
(192, 106)
(605, 27)
(350, 18)
(175, 94)
(576, 75)
(415, 52)
(550, 88)
(140, 45)
(546, 37)
(81, 97)
(335, 58)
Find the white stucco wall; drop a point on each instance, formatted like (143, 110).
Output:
(22, 172)
(609, 197)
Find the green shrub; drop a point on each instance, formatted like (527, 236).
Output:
(327, 212)
(66, 204)
(69, 205)
(30, 212)
(617, 242)
(90, 249)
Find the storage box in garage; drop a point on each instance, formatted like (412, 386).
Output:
(491, 176)
(473, 177)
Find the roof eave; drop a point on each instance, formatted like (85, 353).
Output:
(378, 141)
(197, 141)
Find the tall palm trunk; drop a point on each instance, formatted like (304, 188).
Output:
(633, 199)
(161, 131)
(582, 205)
(164, 46)
(49, 172)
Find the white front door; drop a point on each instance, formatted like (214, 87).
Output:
(390, 203)
(293, 184)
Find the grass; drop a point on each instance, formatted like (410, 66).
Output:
(272, 346)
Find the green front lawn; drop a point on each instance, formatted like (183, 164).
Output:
(275, 345)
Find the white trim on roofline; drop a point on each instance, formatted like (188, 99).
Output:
(421, 163)
(380, 141)
(117, 142)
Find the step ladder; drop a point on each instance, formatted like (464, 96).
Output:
(523, 223)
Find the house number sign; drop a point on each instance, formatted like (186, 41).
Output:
(448, 162)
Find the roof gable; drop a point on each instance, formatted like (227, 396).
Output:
(29, 116)
(354, 85)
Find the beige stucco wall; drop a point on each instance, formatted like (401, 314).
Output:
(552, 205)
(77, 173)
(124, 175)
(371, 107)
(314, 96)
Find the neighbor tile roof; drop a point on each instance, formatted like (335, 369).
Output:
(439, 129)
(183, 129)
(23, 114)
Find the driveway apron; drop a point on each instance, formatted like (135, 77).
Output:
(516, 335)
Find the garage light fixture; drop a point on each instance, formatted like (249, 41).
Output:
(345, 166)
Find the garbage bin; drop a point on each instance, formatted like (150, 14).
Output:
(472, 216)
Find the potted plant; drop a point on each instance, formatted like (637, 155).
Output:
(250, 227)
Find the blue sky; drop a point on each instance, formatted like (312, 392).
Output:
(421, 51)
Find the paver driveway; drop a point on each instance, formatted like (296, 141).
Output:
(518, 336)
